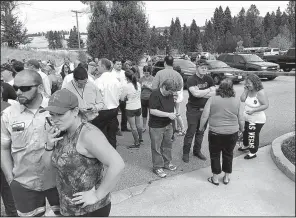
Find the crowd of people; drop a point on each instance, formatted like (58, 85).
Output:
(59, 128)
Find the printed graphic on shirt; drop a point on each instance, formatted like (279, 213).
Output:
(203, 85)
(251, 135)
(18, 127)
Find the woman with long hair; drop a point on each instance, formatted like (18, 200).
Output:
(146, 84)
(79, 155)
(132, 94)
(65, 70)
(256, 102)
(224, 114)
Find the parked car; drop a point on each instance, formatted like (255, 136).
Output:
(271, 51)
(251, 62)
(187, 68)
(220, 70)
(286, 61)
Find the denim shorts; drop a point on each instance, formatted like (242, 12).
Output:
(133, 113)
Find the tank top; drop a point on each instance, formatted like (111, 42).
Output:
(256, 117)
(76, 173)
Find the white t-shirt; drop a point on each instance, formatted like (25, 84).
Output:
(110, 89)
(180, 96)
(120, 76)
(46, 82)
(68, 78)
(133, 96)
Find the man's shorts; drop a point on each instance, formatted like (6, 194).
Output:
(32, 203)
(133, 113)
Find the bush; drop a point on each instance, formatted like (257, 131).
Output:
(288, 149)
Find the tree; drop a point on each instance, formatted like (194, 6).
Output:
(209, 40)
(194, 36)
(177, 37)
(72, 42)
(291, 13)
(282, 40)
(251, 20)
(228, 26)
(153, 41)
(278, 20)
(13, 31)
(118, 30)
(218, 23)
(186, 39)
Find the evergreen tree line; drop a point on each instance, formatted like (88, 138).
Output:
(227, 33)
(55, 39)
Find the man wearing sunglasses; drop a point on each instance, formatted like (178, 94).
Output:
(89, 96)
(24, 161)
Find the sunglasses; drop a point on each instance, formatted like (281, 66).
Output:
(24, 88)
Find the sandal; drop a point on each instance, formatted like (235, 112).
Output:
(181, 133)
(210, 179)
(224, 181)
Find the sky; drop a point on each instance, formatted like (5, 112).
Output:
(56, 15)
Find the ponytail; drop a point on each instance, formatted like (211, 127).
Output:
(129, 74)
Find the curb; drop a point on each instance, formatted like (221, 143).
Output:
(279, 158)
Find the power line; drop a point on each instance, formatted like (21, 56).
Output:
(76, 12)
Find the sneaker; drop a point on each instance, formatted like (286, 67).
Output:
(185, 158)
(181, 133)
(170, 167)
(248, 156)
(159, 172)
(173, 138)
(200, 155)
(243, 148)
(125, 130)
(119, 133)
(141, 141)
(134, 146)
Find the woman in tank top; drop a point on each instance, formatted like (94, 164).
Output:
(79, 156)
(256, 102)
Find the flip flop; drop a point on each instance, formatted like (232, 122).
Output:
(225, 181)
(210, 179)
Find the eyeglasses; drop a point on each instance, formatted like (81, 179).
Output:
(24, 88)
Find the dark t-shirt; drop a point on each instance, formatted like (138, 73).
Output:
(202, 83)
(162, 103)
(8, 92)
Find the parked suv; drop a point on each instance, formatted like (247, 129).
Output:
(251, 62)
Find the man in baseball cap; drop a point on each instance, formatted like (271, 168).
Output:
(61, 101)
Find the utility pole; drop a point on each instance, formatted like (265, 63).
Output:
(76, 12)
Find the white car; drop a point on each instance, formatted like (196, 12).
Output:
(272, 51)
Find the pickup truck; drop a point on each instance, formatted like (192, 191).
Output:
(286, 61)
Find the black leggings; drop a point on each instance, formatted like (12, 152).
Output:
(251, 136)
(102, 212)
(145, 106)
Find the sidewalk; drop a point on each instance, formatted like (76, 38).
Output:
(257, 188)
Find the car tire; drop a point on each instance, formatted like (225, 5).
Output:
(271, 77)
(216, 80)
(287, 69)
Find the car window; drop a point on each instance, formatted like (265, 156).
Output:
(237, 59)
(267, 50)
(291, 52)
(252, 58)
(217, 64)
(221, 57)
(184, 64)
(229, 58)
(159, 64)
(275, 49)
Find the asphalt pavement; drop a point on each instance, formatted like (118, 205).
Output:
(256, 188)
(280, 120)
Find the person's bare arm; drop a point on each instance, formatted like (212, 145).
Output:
(205, 115)
(6, 158)
(263, 100)
(211, 93)
(105, 153)
(196, 92)
(241, 120)
(156, 81)
(159, 113)
(244, 95)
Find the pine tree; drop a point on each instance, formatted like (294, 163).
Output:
(72, 42)
(13, 31)
(194, 36)
(291, 13)
(186, 41)
(177, 38)
(218, 23)
(50, 39)
(153, 41)
(209, 40)
(228, 26)
(251, 20)
(278, 20)
(118, 30)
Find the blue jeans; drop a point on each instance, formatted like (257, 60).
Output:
(193, 121)
(161, 146)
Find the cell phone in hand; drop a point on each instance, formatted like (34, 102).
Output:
(88, 109)
(50, 124)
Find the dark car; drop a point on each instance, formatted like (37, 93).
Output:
(286, 61)
(251, 62)
(187, 68)
(219, 71)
